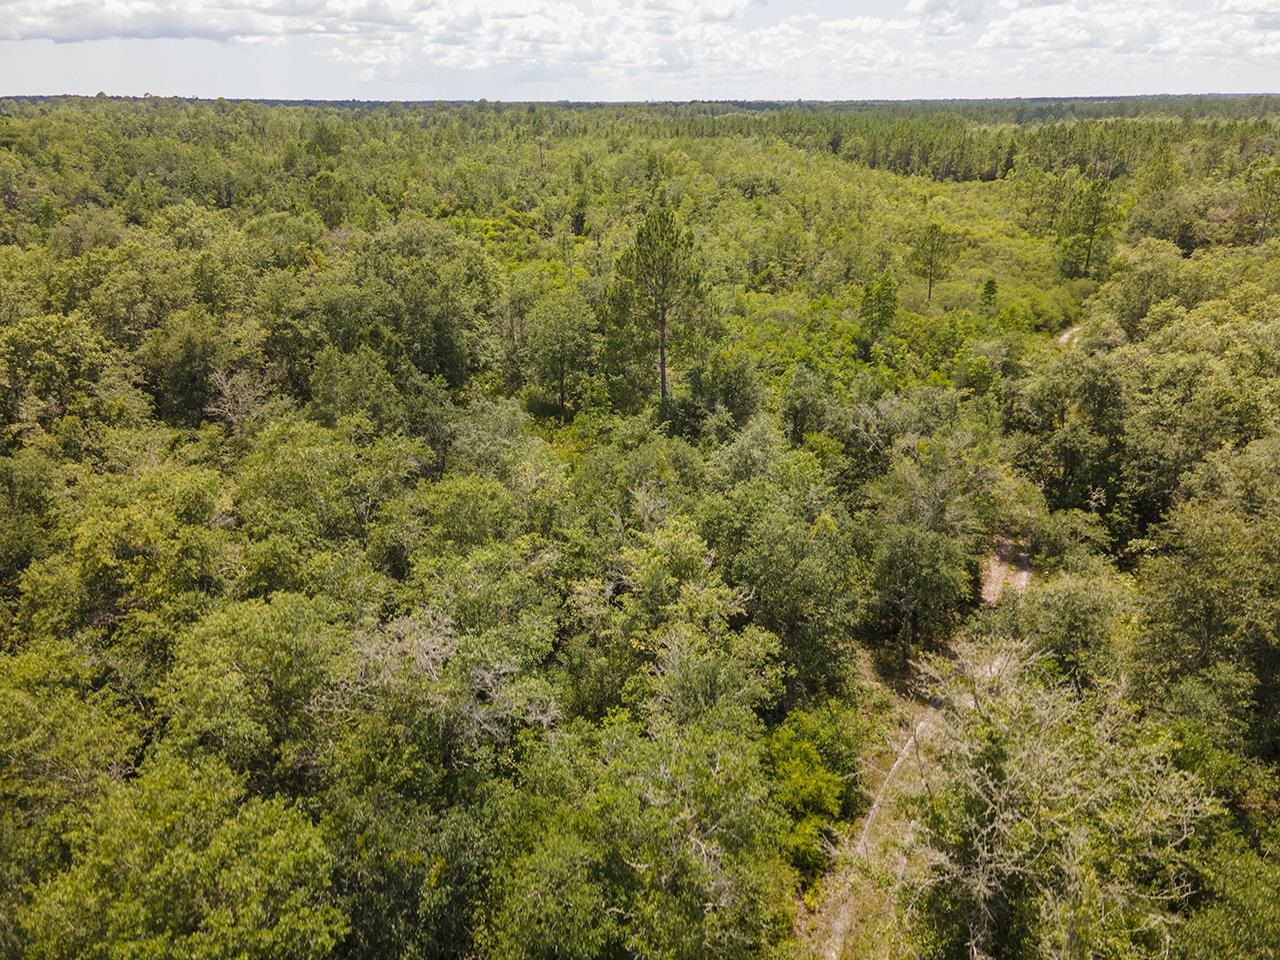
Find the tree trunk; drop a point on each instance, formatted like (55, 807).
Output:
(662, 353)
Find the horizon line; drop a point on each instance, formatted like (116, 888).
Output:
(788, 101)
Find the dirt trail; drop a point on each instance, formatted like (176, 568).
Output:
(1008, 566)
(873, 813)
(851, 889)
(1069, 336)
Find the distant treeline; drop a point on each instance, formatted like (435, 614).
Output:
(947, 140)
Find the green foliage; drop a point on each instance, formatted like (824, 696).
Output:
(1084, 226)
(1074, 619)
(675, 830)
(990, 290)
(308, 483)
(475, 530)
(660, 277)
(49, 365)
(244, 681)
(932, 252)
(1062, 826)
(132, 553)
(355, 384)
(561, 345)
(1243, 920)
(920, 581)
(64, 739)
(179, 864)
(879, 308)
(784, 545)
(1208, 596)
(814, 761)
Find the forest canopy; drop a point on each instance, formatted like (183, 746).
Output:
(522, 530)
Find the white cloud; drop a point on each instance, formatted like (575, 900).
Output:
(869, 25)
(680, 48)
(1147, 31)
(947, 16)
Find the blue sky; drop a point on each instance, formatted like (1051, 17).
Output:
(637, 49)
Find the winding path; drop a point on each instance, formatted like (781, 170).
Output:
(1009, 566)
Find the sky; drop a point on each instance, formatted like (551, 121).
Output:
(638, 49)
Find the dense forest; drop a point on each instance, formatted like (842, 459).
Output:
(485, 530)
